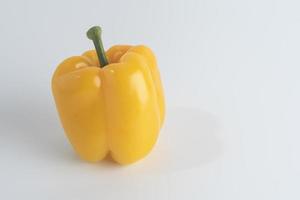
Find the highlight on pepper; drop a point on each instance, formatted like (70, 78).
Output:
(110, 102)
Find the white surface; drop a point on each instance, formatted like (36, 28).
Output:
(231, 75)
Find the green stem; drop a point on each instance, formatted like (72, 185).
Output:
(94, 34)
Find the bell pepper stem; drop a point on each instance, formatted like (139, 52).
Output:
(94, 34)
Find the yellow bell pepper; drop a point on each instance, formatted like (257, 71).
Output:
(115, 106)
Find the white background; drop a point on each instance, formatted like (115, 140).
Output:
(231, 76)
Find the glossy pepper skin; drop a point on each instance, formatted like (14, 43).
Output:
(118, 109)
